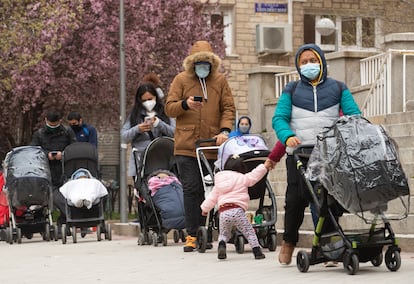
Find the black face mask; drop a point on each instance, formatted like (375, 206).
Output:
(76, 128)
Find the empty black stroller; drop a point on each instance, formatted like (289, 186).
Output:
(76, 156)
(354, 168)
(29, 193)
(253, 150)
(160, 208)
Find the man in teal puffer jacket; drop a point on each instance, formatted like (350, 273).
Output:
(304, 109)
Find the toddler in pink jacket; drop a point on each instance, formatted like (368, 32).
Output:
(230, 192)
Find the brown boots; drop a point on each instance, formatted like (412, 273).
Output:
(286, 251)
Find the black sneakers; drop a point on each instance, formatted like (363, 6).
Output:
(258, 254)
(221, 253)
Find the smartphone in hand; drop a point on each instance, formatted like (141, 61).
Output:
(198, 98)
(147, 120)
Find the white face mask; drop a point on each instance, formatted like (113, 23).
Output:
(149, 105)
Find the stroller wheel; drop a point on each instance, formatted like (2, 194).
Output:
(176, 236)
(64, 236)
(9, 235)
(239, 244)
(98, 233)
(302, 261)
(108, 232)
(377, 261)
(45, 234)
(351, 263)
(18, 236)
(202, 239)
(183, 236)
(155, 239)
(74, 237)
(164, 239)
(271, 242)
(54, 233)
(29, 236)
(393, 259)
(141, 239)
(148, 238)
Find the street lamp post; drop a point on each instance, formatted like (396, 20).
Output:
(122, 175)
(326, 27)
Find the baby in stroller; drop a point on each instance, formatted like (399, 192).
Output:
(167, 194)
(83, 189)
(230, 192)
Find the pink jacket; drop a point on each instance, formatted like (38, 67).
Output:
(232, 187)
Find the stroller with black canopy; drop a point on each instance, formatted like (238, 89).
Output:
(29, 192)
(354, 168)
(160, 208)
(78, 156)
(253, 150)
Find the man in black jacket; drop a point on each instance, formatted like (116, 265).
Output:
(53, 138)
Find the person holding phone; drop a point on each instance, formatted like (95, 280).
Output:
(53, 137)
(201, 101)
(145, 122)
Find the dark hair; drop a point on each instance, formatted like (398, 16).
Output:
(235, 163)
(244, 117)
(53, 116)
(74, 115)
(136, 115)
(152, 78)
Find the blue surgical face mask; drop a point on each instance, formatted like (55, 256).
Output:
(310, 70)
(202, 70)
(244, 129)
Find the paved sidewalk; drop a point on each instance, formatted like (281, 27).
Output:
(123, 261)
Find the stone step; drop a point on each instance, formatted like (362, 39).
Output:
(400, 129)
(393, 118)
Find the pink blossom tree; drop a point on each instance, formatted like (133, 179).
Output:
(72, 62)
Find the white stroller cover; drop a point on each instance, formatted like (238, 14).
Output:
(83, 190)
(239, 145)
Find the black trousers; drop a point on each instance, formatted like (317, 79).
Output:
(190, 177)
(296, 200)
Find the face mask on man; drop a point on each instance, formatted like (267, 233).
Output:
(76, 128)
(202, 70)
(149, 105)
(310, 70)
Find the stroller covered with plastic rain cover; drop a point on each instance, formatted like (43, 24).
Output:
(253, 150)
(354, 167)
(29, 193)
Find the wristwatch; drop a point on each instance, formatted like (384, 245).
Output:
(225, 132)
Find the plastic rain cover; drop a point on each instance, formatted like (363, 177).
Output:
(358, 164)
(27, 176)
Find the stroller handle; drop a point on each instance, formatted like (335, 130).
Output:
(303, 151)
(203, 141)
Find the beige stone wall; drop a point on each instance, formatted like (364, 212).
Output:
(397, 17)
(244, 52)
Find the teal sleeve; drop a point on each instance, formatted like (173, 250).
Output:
(281, 118)
(348, 104)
